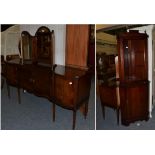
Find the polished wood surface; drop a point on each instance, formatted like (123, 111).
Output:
(36, 72)
(134, 98)
(107, 82)
(133, 59)
(77, 45)
(109, 97)
(65, 86)
(133, 72)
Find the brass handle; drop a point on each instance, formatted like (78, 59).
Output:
(70, 83)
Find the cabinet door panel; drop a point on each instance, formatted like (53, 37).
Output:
(64, 91)
(26, 78)
(11, 74)
(138, 59)
(134, 103)
(42, 81)
(138, 99)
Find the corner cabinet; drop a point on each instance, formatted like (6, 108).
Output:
(133, 74)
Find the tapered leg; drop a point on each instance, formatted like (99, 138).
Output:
(74, 119)
(19, 100)
(118, 116)
(53, 112)
(86, 109)
(2, 83)
(103, 111)
(8, 89)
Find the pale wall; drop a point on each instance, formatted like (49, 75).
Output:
(9, 40)
(153, 56)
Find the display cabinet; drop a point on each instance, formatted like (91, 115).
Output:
(133, 76)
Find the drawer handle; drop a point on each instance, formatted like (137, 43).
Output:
(70, 83)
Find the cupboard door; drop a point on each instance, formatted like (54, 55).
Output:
(42, 81)
(77, 38)
(138, 58)
(26, 78)
(134, 105)
(64, 92)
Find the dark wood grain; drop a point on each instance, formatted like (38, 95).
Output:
(77, 40)
(66, 86)
(133, 72)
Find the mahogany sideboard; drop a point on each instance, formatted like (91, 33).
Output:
(36, 72)
(65, 86)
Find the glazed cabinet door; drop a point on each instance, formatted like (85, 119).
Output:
(132, 56)
(138, 63)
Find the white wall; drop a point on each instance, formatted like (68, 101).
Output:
(60, 38)
(148, 29)
(9, 41)
(153, 56)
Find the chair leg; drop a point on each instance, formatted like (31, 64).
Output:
(8, 89)
(86, 109)
(117, 116)
(19, 99)
(53, 112)
(74, 119)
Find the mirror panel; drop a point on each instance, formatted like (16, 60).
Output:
(44, 45)
(26, 46)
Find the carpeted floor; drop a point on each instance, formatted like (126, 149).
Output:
(110, 122)
(35, 113)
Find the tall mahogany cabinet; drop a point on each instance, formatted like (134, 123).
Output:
(133, 73)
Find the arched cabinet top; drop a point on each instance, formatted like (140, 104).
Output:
(39, 48)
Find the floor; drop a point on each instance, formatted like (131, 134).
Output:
(35, 113)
